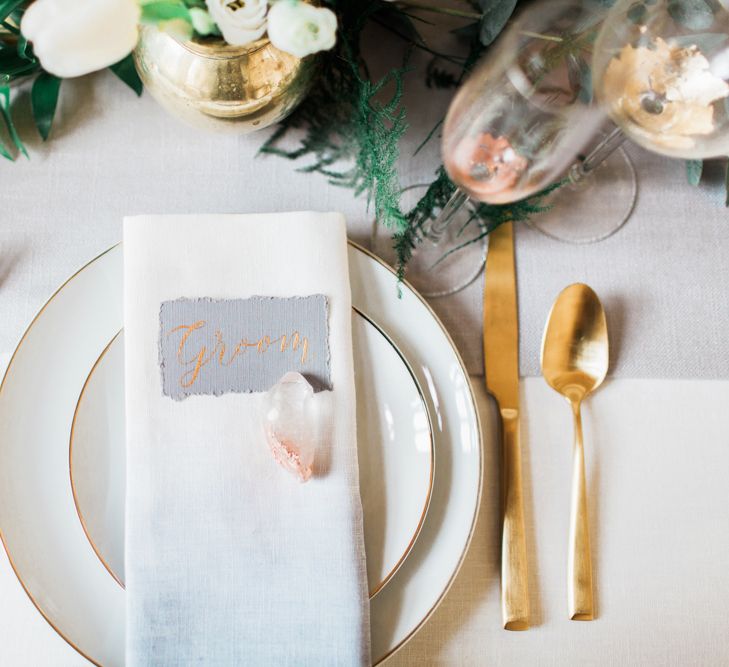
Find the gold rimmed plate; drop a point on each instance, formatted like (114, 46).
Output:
(394, 433)
(39, 524)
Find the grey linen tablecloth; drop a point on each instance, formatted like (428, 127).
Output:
(662, 277)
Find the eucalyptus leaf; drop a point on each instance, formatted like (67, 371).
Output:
(43, 101)
(9, 125)
(127, 72)
(693, 171)
(692, 14)
(495, 15)
(637, 12)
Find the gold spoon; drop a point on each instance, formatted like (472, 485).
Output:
(574, 363)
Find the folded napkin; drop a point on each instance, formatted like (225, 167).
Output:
(230, 560)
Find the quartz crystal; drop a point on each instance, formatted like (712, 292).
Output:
(290, 420)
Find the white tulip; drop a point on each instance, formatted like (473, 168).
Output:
(240, 21)
(75, 37)
(300, 29)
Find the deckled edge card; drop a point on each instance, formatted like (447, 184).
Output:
(217, 346)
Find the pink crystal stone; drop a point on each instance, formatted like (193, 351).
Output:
(290, 423)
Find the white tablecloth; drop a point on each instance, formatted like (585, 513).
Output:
(657, 461)
(658, 450)
(662, 276)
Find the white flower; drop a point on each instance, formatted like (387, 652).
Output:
(301, 29)
(75, 37)
(240, 21)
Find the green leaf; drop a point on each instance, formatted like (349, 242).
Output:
(400, 22)
(495, 15)
(8, 6)
(202, 22)
(25, 50)
(43, 101)
(164, 10)
(12, 65)
(9, 125)
(693, 171)
(637, 12)
(126, 71)
(692, 14)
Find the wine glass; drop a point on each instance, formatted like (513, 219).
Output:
(517, 124)
(662, 74)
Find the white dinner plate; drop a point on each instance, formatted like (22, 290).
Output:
(394, 436)
(41, 531)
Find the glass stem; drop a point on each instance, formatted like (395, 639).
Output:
(440, 224)
(596, 156)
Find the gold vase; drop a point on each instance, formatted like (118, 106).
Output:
(214, 85)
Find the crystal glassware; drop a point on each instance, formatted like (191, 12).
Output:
(662, 74)
(519, 122)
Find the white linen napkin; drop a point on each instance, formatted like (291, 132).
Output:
(229, 559)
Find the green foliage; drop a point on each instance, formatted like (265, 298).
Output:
(126, 71)
(495, 15)
(18, 61)
(43, 100)
(487, 216)
(192, 15)
(692, 14)
(637, 12)
(9, 127)
(157, 11)
(350, 118)
(693, 171)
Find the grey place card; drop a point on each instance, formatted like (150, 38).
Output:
(217, 346)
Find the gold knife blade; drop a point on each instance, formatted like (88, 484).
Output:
(501, 366)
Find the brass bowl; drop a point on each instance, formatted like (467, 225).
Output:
(216, 86)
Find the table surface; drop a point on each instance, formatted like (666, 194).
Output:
(657, 456)
(662, 276)
(657, 449)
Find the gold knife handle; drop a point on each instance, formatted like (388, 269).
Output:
(514, 577)
(579, 564)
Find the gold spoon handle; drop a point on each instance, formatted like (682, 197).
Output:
(579, 566)
(514, 578)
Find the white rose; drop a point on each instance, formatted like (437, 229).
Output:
(75, 37)
(301, 29)
(240, 21)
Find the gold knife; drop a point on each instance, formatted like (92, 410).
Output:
(501, 363)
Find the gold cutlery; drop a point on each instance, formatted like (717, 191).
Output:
(501, 363)
(574, 363)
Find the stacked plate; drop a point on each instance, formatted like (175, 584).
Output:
(62, 456)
